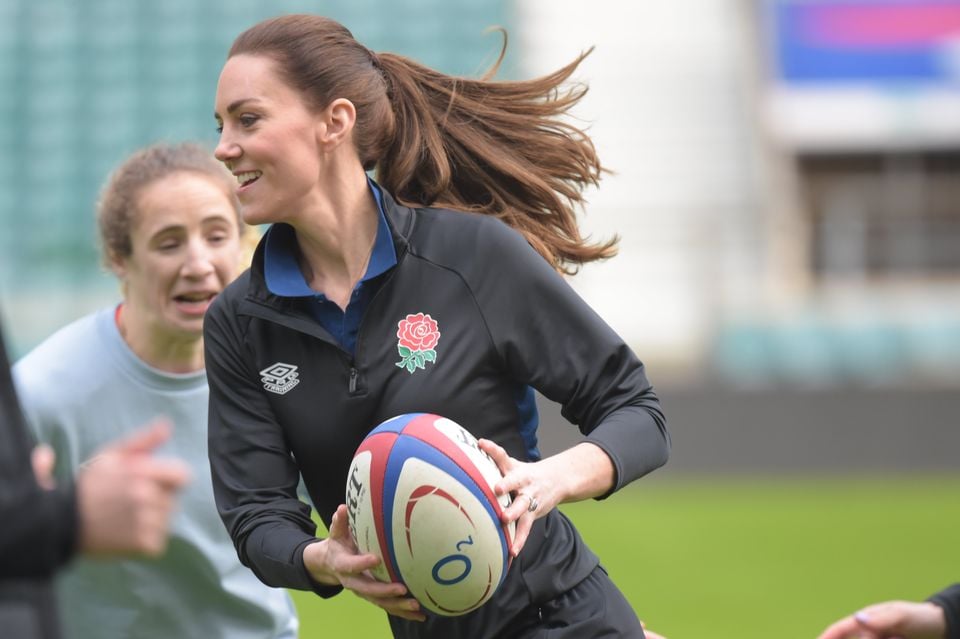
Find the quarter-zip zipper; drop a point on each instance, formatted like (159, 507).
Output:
(353, 379)
(354, 373)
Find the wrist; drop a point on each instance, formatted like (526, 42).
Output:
(935, 619)
(587, 472)
(315, 561)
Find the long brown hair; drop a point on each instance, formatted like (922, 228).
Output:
(492, 147)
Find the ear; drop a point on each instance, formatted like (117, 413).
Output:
(337, 122)
(118, 265)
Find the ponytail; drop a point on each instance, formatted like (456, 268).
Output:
(497, 148)
(491, 147)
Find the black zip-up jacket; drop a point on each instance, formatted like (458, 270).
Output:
(949, 600)
(286, 399)
(38, 527)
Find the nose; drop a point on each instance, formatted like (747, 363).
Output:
(227, 150)
(199, 262)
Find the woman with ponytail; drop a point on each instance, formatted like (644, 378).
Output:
(434, 288)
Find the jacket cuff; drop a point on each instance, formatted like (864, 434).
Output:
(320, 589)
(949, 600)
(635, 443)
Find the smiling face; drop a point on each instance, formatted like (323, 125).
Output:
(185, 241)
(268, 140)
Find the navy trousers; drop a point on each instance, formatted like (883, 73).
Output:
(593, 609)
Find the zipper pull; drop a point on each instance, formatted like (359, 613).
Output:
(353, 379)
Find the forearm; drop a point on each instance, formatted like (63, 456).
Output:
(581, 472)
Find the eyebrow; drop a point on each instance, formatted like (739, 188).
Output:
(236, 104)
(213, 218)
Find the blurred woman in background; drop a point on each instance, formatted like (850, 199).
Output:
(171, 233)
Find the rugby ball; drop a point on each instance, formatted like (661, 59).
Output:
(420, 497)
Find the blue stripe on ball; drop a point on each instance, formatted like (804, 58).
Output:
(406, 447)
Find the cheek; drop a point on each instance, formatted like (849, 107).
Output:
(229, 263)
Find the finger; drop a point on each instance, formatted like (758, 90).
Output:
(348, 564)
(371, 589)
(43, 458)
(406, 608)
(152, 528)
(846, 627)
(514, 482)
(520, 506)
(144, 440)
(170, 474)
(524, 524)
(340, 525)
(883, 618)
(500, 457)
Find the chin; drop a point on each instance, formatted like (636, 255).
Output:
(189, 329)
(254, 216)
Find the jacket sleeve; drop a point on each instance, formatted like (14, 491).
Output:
(549, 338)
(254, 475)
(949, 600)
(38, 533)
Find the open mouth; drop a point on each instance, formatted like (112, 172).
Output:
(248, 177)
(195, 298)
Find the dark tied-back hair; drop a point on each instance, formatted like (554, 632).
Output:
(493, 147)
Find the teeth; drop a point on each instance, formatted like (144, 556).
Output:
(248, 176)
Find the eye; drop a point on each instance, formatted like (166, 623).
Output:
(247, 120)
(218, 236)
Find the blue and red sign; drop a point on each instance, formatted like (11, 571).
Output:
(872, 42)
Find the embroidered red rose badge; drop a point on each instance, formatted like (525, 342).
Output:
(417, 337)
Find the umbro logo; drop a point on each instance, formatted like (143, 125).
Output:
(280, 378)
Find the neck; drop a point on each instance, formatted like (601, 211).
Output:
(336, 237)
(167, 352)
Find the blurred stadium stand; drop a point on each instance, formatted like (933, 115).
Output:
(789, 217)
(82, 84)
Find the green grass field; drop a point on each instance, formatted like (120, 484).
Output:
(759, 558)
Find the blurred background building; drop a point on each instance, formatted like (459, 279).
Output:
(786, 184)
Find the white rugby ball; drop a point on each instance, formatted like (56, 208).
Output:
(420, 497)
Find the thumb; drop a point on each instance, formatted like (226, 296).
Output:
(144, 440)
(880, 618)
(43, 459)
(339, 528)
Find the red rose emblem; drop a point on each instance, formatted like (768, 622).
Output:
(417, 337)
(418, 332)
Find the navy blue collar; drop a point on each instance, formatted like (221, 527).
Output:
(282, 272)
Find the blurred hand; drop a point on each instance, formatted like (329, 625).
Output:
(889, 620)
(649, 634)
(336, 561)
(43, 458)
(125, 496)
